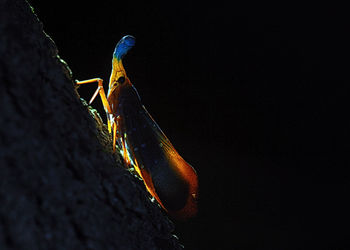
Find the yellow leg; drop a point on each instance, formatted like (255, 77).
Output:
(114, 135)
(109, 125)
(100, 90)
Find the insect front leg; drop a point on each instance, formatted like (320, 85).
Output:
(100, 90)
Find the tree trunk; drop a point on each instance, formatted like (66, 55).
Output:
(61, 187)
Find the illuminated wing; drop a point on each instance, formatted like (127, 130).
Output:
(152, 150)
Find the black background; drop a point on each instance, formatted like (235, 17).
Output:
(256, 100)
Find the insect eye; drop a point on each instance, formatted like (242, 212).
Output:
(121, 80)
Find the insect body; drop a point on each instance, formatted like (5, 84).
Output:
(167, 176)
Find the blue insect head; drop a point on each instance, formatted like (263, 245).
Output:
(123, 46)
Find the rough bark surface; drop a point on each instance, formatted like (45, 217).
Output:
(60, 187)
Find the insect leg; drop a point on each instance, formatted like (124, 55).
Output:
(114, 135)
(118, 126)
(100, 91)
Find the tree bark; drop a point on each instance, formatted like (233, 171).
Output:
(61, 187)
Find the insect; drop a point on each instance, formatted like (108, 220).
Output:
(167, 176)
